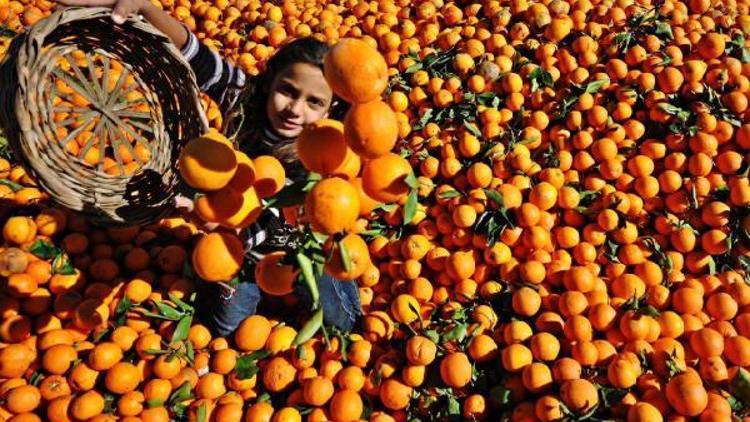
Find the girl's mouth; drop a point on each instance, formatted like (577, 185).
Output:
(289, 124)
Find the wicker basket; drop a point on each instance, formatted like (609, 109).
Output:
(39, 136)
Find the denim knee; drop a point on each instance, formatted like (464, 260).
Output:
(340, 302)
(222, 316)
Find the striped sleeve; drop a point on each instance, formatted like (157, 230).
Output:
(218, 78)
(262, 236)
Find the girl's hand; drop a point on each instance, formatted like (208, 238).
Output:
(183, 202)
(121, 9)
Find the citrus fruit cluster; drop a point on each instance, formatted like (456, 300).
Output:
(558, 231)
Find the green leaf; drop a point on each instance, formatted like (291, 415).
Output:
(246, 366)
(488, 99)
(182, 393)
(566, 105)
(623, 40)
(181, 304)
(44, 250)
(540, 77)
(189, 352)
(412, 181)
(62, 265)
(182, 329)
(202, 414)
(154, 403)
(310, 328)
(711, 265)
(663, 30)
(36, 378)
(305, 265)
(449, 194)
(410, 208)
(343, 345)
(15, 187)
(745, 55)
(426, 118)
(413, 68)
(167, 311)
(432, 335)
(457, 333)
(735, 404)
(741, 386)
(594, 86)
(611, 249)
(179, 410)
(386, 207)
(291, 195)
(345, 259)
(496, 197)
(454, 407)
(153, 315)
(501, 396)
(473, 129)
(123, 307)
(670, 109)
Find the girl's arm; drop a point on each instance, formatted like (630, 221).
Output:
(121, 9)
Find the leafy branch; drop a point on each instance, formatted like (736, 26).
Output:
(576, 91)
(736, 48)
(540, 78)
(493, 222)
(61, 263)
(649, 22)
(410, 208)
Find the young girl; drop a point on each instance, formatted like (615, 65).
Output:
(277, 104)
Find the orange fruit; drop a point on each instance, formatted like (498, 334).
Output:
(270, 176)
(455, 370)
(278, 374)
(346, 405)
(355, 71)
(217, 257)
(87, 405)
(317, 391)
(122, 378)
(19, 230)
(371, 129)
(252, 333)
(23, 399)
(274, 277)
(394, 394)
(687, 395)
(384, 178)
(244, 176)
(321, 146)
(229, 207)
(357, 253)
(332, 206)
(579, 395)
(206, 164)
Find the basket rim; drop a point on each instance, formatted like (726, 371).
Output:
(22, 130)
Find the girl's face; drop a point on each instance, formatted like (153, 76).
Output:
(299, 95)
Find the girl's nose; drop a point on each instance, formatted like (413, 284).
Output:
(296, 107)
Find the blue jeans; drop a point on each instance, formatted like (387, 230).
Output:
(339, 299)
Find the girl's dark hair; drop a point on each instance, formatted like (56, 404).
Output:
(249, 117)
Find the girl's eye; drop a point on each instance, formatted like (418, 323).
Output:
(317, 102)
(287, 90)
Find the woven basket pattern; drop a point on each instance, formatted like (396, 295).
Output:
(168, 87)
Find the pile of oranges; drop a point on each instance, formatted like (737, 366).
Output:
(560, 231)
